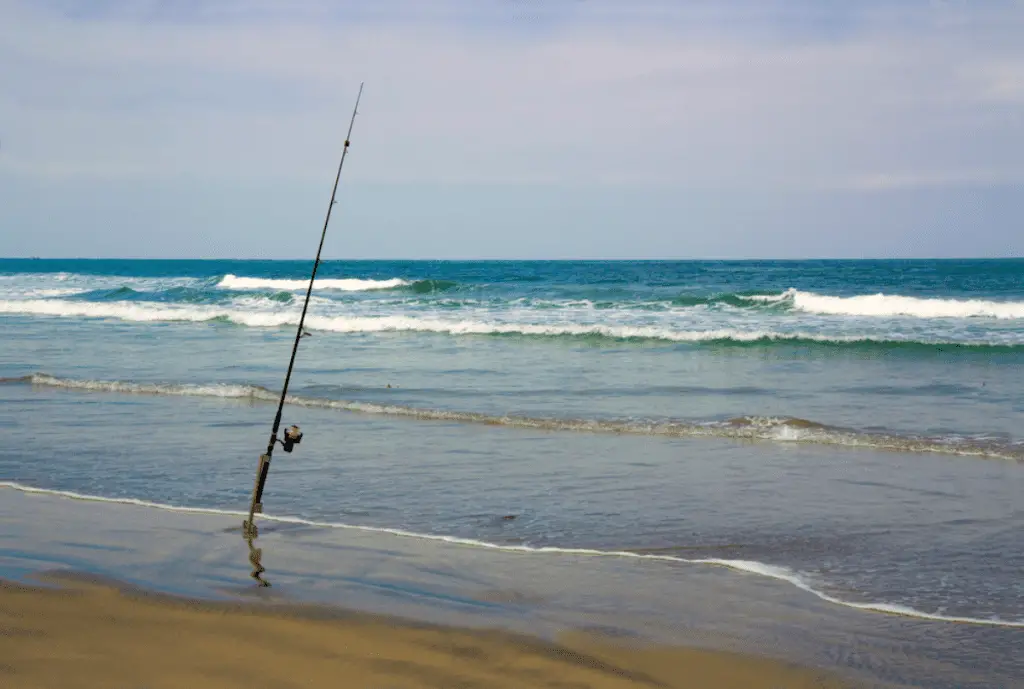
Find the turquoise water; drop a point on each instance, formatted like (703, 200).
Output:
(850, 427)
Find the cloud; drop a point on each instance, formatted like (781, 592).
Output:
(691, 95)
(889, 181)
(998, 81)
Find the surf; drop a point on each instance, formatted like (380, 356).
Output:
(744, 428)
(882, 305)
(235, 282)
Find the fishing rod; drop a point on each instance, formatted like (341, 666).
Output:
(292, 435)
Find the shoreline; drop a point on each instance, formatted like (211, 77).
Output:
(624, 603)
(84, 631)
(757, 568)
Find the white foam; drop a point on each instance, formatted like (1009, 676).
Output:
(185, 390)
(784, 574)
(345, 285)
(768, 298)
(118, 310)
(266, 313)
(896, 305)
(383, 324)
(368, 324)
(749, 566)
(364, 324)
(52, 292)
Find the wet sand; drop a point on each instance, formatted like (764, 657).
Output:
(94, 634)
(386, 588)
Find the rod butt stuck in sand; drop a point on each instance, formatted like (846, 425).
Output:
(292, 435)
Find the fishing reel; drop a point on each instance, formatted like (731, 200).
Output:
(292, 437)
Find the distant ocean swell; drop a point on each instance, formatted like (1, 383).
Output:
(748, 566)
(757, 428)
(864, 305)
(879, 305)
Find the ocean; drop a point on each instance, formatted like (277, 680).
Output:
(851, 430)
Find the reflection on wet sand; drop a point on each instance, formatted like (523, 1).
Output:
(664, 605)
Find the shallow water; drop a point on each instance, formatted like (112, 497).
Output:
(862, 526)
(861, 449)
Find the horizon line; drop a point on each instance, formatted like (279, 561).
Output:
(508, 260)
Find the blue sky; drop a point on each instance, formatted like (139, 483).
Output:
(513, 128)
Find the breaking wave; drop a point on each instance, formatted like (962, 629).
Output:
(890, 305)
(758, 428)
(344, 284)
(749, 566)
(150, 312)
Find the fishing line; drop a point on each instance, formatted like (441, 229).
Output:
(292, 435)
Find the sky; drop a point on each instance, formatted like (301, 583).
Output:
(513, 129)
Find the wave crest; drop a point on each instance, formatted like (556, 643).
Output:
(230, 281)
(761, 428)
(891, 305)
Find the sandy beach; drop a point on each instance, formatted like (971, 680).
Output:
(92, 634)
